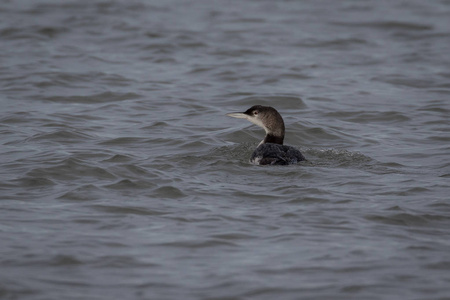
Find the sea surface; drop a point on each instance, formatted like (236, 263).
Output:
(121, 177)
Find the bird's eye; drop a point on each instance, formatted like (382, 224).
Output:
(255, 112)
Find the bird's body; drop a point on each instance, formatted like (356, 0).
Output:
(271, 150)
(276, 154)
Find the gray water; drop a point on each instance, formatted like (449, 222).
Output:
(122, 178)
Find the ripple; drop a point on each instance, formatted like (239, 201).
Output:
(30, 181)
(308, 200)
(81, 80)
(71, 169)
(442, 265)
(104, 97)
(239, 53)
(339, 157)
(123, 141)
(233, 236)
(339, 42)
(121, 261)
(17, 33)
(195, 244)
(407, 219)
(16, 118)
(64, 260)
(370, 117)
(66, 136)
(83, 193)
(168, 192)
(386, 25)
(118, 158)
(120, 210)
(402, 80)
(282, 102)
(126, 184)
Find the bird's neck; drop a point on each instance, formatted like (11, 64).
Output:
(274, 128)
(274, 139)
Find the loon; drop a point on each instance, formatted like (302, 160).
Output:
(271, 150)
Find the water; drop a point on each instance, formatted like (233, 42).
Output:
(122, 178)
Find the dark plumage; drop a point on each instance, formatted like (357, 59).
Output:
(276, 154)
(271, 150)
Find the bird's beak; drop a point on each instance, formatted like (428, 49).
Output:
(238, 115)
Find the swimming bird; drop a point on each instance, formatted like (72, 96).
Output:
(271, 150)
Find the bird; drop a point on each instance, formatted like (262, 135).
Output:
(270, 150)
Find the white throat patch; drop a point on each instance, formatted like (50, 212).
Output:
(258, 122)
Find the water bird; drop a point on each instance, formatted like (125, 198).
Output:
(271, 150)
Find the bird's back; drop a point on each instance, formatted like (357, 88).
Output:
(276, 154)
